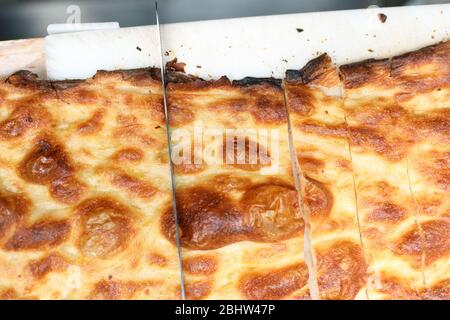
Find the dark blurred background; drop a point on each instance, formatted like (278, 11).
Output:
(29, 18)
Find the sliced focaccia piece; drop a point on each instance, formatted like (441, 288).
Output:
(240, 226)
(84, 183)
(380, 139)
(319, 135)
(422, 90)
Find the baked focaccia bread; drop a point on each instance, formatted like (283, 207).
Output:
(84, 183)
(397, 113)
(320, 139)
(240, 225)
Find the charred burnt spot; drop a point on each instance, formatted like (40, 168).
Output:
(251, 81)
(178, 82)
(293, 76)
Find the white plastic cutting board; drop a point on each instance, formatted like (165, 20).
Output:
(257, 46)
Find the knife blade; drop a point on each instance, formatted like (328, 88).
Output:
(169, 149)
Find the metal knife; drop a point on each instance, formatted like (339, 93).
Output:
(169, 149)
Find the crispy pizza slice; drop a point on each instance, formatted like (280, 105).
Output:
(380, 140)
(320, 140)
(422, 90)
(84, 184)
(240, 226)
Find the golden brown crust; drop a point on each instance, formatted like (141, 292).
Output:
(263, 98)
(231, 210)
(84, 180)
(70, 139)
(28, 80)
(274, 284)
(341, 270)
(198, 84)
(368, 72)
(181, 81)
(320, 139)
(180, 77)
(210, 219)
(397, 112)
(437, 54)
(318, 71)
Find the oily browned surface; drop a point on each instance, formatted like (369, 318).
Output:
(241, 231)
(320, 132)
(399, 128)
(84, 181)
